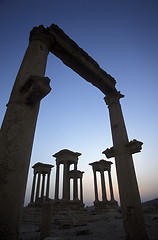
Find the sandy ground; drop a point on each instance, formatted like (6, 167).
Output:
(107, 226)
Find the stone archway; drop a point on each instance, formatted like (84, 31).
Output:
(18, 127)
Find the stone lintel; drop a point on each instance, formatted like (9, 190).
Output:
(66, 155)
(42, 168)
(79, 61)
(74, 173)
(109, 152)
(134, 146)
(101, 165)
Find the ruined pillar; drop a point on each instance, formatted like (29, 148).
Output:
(111, 187)
(38, 187)
(43, 186)
(81, 187)
(17, 131)
(66, 181)
(127, 182)
(33, 187)
(57, 181)
(95, 185)
(75, 184)
(47, 187)
(46, 221)
(104, 197)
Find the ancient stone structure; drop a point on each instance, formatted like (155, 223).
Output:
(67, 158)
(18, 127)
(44, 171)
(17, 131)
(75, 175)
(102, 166)
(46, 220)
(127, 183)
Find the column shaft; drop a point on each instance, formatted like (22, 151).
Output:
(104, 197)
(81, 190)
(66, 182)
(75, 183)
(111, 187)
(95, 185)
(57, 182)
(43, 186)
(38, 186)
(16, 139)
(33, 188)
(47, 187)
(128, 188)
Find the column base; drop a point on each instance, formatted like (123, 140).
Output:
(105, 205)
(63, 206)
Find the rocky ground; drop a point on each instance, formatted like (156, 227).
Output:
(89, 226)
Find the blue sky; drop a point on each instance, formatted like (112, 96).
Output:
(122, 37)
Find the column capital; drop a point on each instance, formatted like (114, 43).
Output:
(113, 97)
(42, 34)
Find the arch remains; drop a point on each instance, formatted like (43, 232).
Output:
(18, 128)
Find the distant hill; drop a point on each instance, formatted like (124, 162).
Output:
(153, 202)
(151, 206)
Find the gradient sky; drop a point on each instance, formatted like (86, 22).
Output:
(122, 36)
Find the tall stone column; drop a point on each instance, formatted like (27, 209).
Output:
(43, 186)
(47, 187)
(33, 187)
(38, 186)
(81, 189)
(95, 185)
(66, 181)
(57, 181)
(128, 188)
(75, 185)
(104, 197)
(17, 131)
(111, 187)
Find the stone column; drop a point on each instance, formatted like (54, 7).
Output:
(17, 131)
(33, 188)
(111, 187)
(75, 185)
(95, 185)
(43, 186)
(81, 189)
(66, 182)
(128, 188)
(57, 181)
(38, 186)
(104, 197)
(47, 187)
(46, 221)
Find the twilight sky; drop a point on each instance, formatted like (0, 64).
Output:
(122, 36)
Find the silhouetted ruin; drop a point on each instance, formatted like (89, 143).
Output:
(102, 166)
(18, 128)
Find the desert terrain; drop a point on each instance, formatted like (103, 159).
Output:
(92, 226)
